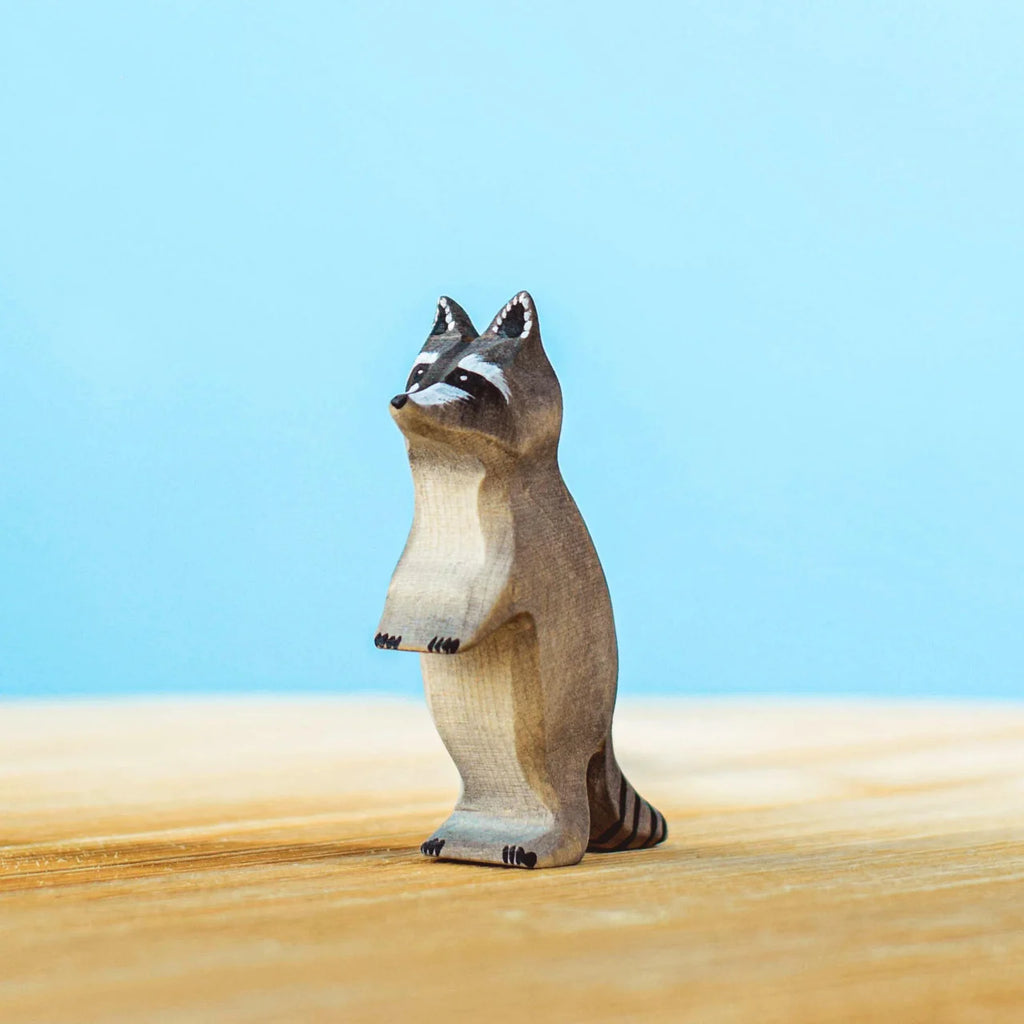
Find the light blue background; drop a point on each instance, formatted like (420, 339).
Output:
(777, 255)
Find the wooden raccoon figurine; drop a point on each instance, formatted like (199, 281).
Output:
(500, 590)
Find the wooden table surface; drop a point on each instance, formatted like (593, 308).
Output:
(257, 860)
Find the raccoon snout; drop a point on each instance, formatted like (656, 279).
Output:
(399, 400)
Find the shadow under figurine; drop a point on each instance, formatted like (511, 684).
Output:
(500, 589)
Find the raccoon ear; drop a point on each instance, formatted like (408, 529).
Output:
(451, 318)
(517, 319)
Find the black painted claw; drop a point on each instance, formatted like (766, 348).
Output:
(383, 640)
(517, 857)
(443, 645)
(432, 847)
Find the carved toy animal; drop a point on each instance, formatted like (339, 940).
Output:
(501, 591)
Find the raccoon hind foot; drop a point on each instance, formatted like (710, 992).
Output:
(474, 837)
(517, 857)
(432, 847)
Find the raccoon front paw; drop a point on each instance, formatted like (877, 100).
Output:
(443, 645)
(389, 642)
(517, 857)
(432, 847)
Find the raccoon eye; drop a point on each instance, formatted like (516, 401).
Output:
(416, 376)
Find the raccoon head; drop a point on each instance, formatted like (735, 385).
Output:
(494, 390)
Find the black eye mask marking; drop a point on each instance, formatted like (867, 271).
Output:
(479, 388)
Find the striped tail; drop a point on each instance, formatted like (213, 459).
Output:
(620, 819)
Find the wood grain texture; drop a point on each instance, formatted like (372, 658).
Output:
(257, 860)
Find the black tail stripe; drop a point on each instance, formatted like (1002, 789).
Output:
(613, 830)
(608, 834)
(655, 828)
(638, 803)
(658, 821)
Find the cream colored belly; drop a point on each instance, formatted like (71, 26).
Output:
(489, 710)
